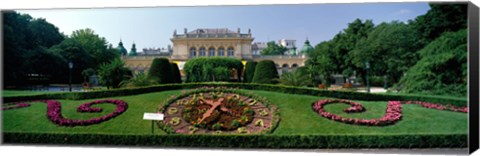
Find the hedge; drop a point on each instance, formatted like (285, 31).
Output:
(161, 71)
(249, 71)
(177, 78)
(264, 87)
(265, 72)
(246, 141)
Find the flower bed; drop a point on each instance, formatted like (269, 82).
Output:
(15, 105)
(54, 111)
(438, 106)
(392, 115)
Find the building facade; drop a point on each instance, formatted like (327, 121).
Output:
(209, 43)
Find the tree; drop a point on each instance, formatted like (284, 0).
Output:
(390, 49)
(273, 49)
(205, 69)
(265, 72)
(161, 71)
(321, 62)
(177, 78)
(295, 78)
(113, 73)
(95, 45)
(442, 69)
(43, 34)
(24, 39)
(72, 51)
(441, 18)
(249, 71)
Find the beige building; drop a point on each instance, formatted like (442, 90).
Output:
(209, 43)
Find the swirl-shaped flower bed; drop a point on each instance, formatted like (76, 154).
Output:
(218, 111)
(54, 112)
(14, 105)
(392, 115)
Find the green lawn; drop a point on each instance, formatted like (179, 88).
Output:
(297, 117)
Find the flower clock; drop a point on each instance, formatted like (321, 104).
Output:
(219, 112)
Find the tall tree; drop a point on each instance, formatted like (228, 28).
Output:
(390, 49)
(273, 49)
(94, 45)
(72, 51)
(442, 17)
(43, 34)
(442, 69)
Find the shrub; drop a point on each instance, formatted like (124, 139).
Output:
(113, 73)
(249, 71)
(246, 141)
(161, 71)
(442, 69)
(140, 80)
(177, 78)
(295, 78)
(265, 72)
(205, 69)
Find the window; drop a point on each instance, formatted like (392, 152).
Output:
(202, 51)
(221, 52)
(211, 52)
(193, 52)
(230, 51)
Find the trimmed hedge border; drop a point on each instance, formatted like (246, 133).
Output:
(246, 141)
(250, 86)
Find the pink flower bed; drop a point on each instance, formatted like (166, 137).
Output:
(54, 112)
(438, 106)
(15, 105)
(392, 115)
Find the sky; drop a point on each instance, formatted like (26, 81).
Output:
(152, 27)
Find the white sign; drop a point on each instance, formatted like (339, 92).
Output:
(152, 116)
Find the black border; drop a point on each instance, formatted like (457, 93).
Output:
(473, 91)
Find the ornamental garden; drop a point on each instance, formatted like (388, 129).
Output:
(242, 115)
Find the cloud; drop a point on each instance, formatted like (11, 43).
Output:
(403, 12)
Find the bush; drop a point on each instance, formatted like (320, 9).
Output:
(161, 71)
(246, 141)
(265, 72)
(113, 73)
(141, 80)
(206, 69)
(177, 78)
(442, 69)
(265, 87)
(249, 71)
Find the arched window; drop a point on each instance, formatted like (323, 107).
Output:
(221, 51)
(202, 51)
(211, 51)
(193, 52)
(230, 51)
(284, 68)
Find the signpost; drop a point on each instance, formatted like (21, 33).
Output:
(152, 117)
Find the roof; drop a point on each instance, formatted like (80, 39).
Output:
(211, 31)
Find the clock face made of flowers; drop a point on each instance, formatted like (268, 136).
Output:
(217, 113)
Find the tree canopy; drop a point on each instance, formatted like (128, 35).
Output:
(273, 49)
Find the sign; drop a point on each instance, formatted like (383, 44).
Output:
(152, 116)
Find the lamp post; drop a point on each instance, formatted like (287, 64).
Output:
(70, 66)
(367, 66)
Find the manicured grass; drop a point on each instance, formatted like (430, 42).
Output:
(297, 117)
